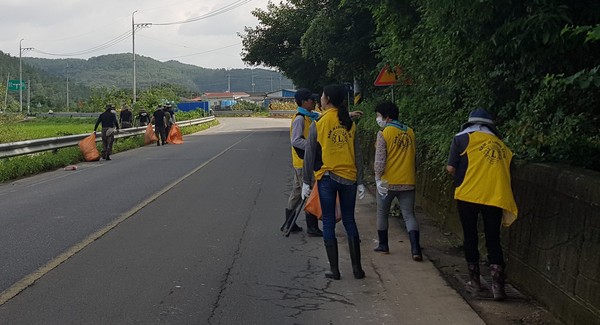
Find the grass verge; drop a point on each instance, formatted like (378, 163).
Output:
(27, 165)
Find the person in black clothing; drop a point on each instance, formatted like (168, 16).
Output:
(110, 126)
(144, 117)
(169, 118)
(158, 118)
(169, 108)
(125, 118)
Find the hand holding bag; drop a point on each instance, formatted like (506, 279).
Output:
(313, 205)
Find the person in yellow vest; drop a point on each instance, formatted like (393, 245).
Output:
(306, 101)
(480, 163)
(333, 157)
(395, 176)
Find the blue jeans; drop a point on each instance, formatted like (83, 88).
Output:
(406, 200)
(328, 191)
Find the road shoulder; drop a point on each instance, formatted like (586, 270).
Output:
(444, 250)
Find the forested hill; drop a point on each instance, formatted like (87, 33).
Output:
(46, 89)
(116, 70)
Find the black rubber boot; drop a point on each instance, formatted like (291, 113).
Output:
(497, 273)
(415, 246)
(296, 228)
(354, 245)
(312, 226)
(331, 247)
(288, 218)
(474, 284)
(383, 242)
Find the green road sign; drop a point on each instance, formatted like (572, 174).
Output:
(15, 85)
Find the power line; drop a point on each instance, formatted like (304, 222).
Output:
(97, 48)
(213, 13)
(129, 33)
(204, 52)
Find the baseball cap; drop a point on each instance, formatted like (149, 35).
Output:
(305, 94)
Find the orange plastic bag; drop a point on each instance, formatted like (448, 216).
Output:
(175, 136)
(88, 148)
(313, 205)
(149, 136)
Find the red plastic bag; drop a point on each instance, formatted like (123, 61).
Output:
(313, 205)
(88, 148)
(149, 136)
(175, 136)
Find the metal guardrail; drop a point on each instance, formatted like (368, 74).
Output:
(249, 113)
(19, 148)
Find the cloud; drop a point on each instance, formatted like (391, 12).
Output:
(67, 26)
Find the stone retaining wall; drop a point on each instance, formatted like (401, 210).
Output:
(553, 249)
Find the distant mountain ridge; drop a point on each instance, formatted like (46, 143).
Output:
(116, 70)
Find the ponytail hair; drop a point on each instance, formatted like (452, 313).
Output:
(337, 97)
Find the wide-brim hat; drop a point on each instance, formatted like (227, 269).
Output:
(482, 117)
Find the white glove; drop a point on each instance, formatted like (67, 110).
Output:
(382, 188)
(361, 191)
(305, 191)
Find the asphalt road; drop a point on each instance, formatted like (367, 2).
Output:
(188, 234)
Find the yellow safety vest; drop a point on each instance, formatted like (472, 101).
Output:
(487, 180)
(400, 161)
(296, 160)
(337, 146)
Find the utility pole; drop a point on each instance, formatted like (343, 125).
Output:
(253, 83)
(20, 77)
(133, 50)
(6, 94)
(21, 49)
(228, 80)
(133, 27)
(67, 86)
(28, 95)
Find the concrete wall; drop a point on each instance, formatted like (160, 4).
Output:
(553, 249)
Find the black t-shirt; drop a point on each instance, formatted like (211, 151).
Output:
(125, 116)
(159, 118)
(144, 118)
(108, 120)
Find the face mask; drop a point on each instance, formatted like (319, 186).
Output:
(380, 121)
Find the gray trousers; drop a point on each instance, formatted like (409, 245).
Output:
(107, 142)
(406, 199)
(296, 193)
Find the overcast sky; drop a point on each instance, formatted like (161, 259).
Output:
(76, 26)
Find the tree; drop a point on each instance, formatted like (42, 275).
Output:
(519, 59)
(275, 42)
(312, 42)
(342, 35)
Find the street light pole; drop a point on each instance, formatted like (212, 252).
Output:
(133, 50)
